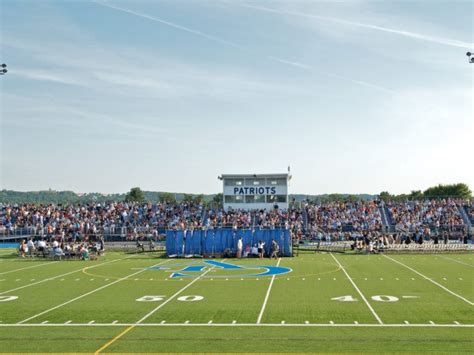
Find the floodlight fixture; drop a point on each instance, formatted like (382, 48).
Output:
(471, 57)
(4, 70)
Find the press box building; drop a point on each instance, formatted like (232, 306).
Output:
(255, 191)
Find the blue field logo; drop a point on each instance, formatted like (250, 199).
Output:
(231, 270)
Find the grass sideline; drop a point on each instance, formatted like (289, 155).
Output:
(325, 303)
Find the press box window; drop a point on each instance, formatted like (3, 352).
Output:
(233, 199)
(255, 199)
(277, 182)
(276, 198)
(233, 182)
(255, 182)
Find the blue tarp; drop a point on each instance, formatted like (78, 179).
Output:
(215, 241)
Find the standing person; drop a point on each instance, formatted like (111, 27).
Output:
(42, 247)
(22, 248)
(31, 247)
(260, 249)
(239, 248)
(275, 249)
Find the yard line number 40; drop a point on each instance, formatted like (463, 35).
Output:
(378, 298)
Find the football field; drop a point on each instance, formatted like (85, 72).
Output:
(309, 303)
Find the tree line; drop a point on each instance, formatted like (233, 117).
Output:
(459, 190)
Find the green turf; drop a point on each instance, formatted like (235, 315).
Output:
(300, 313)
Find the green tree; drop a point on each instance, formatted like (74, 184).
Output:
(187, 197)
(385, 196)
(416, 195)
(198, 198)
(135, 195)
(454, 190)
(217, 200)
(167, 197)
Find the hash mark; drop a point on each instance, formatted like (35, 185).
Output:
(163, 322)
(331, 322)
(456, 322)
(234, 321)
(115, 322)
(282, 322)
(91, 322)
(45, 322)
(187, 322)
(406, 322)
(68, 322)
(431, 322)
(210, 322)
(306, 322)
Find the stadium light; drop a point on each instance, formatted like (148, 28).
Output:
(4, 70)
(471, 57)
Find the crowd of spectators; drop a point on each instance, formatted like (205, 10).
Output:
(414, 215)
(469, 208)
(344, 216)
(332, 220)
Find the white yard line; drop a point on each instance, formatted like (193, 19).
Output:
(296, 325)
(430, 280)
(29, 267)
(65, 274)
(149, 314)
(456, 261)
(359, 291)
(88, 293)
(259, 319)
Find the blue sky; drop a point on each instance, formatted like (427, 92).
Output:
(357, 96)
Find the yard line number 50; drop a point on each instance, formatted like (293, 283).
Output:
(158, 298)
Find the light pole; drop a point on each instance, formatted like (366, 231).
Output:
(3, 69)
(471, 57)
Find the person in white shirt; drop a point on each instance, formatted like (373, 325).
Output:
(42, 247)
(239, 248)
(31, 247)
(260, 249)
